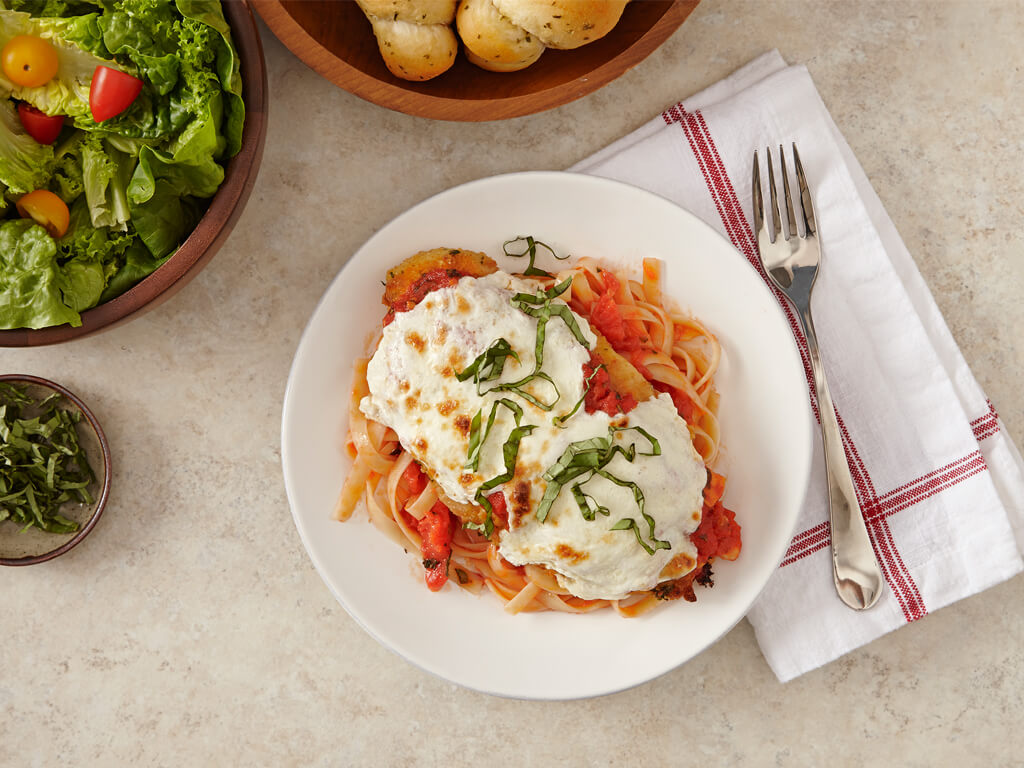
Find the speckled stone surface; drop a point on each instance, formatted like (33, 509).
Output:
(191, 628)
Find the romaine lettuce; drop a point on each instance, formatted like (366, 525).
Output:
(31, 280)
(24, 164)
(105, 176)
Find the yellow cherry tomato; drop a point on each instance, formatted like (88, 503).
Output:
(47, 210)
(29, 61)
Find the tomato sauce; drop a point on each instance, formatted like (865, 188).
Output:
(435, 529)
(717, 536)
(626, 338)
(601, 396)
(499, 509)
(605, 316)
(414, 478)
(429, 281)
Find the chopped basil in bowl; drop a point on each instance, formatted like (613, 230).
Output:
(54, 470)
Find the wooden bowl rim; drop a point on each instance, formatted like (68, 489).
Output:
(214, 226)
(101, 502)
(417, 104)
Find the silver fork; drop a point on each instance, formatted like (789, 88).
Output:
(792, 262)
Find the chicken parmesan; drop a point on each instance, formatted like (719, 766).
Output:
(549, 436)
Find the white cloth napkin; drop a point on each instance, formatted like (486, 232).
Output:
(940, 481)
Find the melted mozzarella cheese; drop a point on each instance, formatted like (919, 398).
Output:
(414, 390)
(592, 560)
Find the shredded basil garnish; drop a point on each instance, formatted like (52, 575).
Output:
(531, 251)
(42, 464)
(558, 421)
(590, 457)
(588, 507)
(628, 522)
(539, 305)
(478, 437)
(489, 364)
(509, 451)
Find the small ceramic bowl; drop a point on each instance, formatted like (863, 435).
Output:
(31, 546)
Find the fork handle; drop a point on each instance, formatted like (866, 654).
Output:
(854, 566)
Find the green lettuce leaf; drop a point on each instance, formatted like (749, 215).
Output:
(83, 282)
(162, 195)
(138, 263)
(24, 164)
(210, 13)
(31, 281)
(105, 176)
(67, 181)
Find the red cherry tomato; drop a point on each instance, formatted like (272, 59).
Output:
(29, 61)
(112, 92)
(40, 126)
(47, 210)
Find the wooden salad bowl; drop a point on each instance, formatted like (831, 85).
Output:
(216, 224)
(334, 38)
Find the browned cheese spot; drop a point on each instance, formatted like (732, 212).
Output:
(441, 335)
(566, 552)
(415, 341)
(420, 444)
(463, 424)
(411, 402)
(447, 406)
(461, 304)
(680, 565)
(520, 502)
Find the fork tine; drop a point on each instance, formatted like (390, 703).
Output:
(776, 219)
(758, 197)
(805, 195)
(790, 216)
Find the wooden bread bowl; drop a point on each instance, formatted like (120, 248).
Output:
(334, 38)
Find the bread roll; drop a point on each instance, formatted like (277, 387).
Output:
(492, 41)
(508, 35)
(563, 24)
(415, 37)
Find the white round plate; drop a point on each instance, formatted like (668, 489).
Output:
(766, 425)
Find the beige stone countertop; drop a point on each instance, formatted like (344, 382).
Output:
(191, 628)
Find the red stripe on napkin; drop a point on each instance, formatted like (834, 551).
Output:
(987, 425)
(877, 508)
